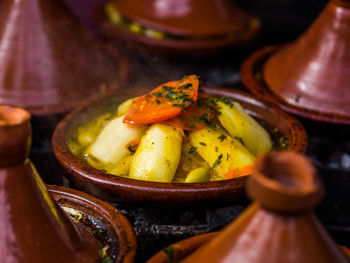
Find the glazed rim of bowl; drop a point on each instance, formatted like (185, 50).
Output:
(120, 189)
(183, 248)
(253, 79)
(110, 30)
(113, 225)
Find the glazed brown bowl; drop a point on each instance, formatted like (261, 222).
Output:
(173, 47)
(125, 190)
(110, 228)
(253, 79)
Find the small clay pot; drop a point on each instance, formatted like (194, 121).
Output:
(310, 76)
(110, 228)
(34, 229)
(279, 225)
(125, 190)
(198, 26)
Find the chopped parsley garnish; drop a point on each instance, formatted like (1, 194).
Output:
(167, 88)
(186, 86)
(282, 141)
(192, 149)
(169, 251)
(222, 137)
(226, 100)
(132, 147)
(103, 170)
(180, 97)
(217, 161)
(239, 139)
(107, 259)
(202, 143)
(181, 105)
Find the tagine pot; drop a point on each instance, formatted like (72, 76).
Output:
(50, 64)
(177, 27)
(309, 77)
(124, 190)
(33, 227)
(278, 226)
(182, 249)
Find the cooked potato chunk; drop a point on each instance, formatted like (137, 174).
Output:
(239, 124)
(122, 167)
(158, 155)
(220, 151)
(198, 175)
(124, 107)
(189, 161)
(109, 146)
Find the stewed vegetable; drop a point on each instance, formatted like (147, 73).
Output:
(175, 133)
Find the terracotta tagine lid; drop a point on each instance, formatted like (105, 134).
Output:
(186, 18)
(33, 228)
(186, 27)
(279, 226)
(49, 61)
(313, 72)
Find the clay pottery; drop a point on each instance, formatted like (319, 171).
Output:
(190, 27)
(108, 225)
(182, 249)
(33, 227)
(279, 225)
(49, 64)
(125, 190)
(310, 76)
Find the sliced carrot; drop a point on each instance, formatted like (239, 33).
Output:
(165, 102)
(191, 119)
(237, 172)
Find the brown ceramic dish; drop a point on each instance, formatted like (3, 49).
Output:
(110, 228)
(209, 22)
(119, 189)
(253, 80)
(180, 250)
(34, 228)
(308, 77)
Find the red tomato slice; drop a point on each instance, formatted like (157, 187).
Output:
(165, 102)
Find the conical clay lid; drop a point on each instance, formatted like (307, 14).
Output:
(33, 228)
(278, 227)
(201, 18)
(49, 61)
(313, 73)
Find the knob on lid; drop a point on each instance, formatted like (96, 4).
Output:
(15, 135)
(285, 182)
